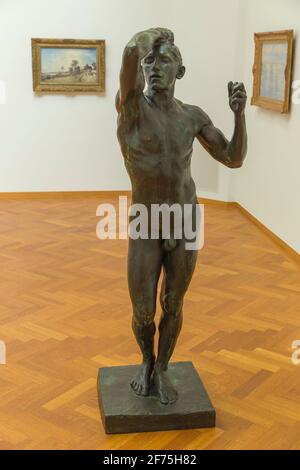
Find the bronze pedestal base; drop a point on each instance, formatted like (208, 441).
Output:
(124, 412)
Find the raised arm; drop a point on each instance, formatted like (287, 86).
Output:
(131, 76)
(233, 153)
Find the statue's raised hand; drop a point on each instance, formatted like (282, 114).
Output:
(156, 35)
(165, 34)
(237, 97)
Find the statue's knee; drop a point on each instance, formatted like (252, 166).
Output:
(143, 314)
(172, 305)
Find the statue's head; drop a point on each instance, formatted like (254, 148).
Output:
(162, 66)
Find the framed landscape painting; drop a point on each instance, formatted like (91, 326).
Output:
(68, 65)
(272, 70)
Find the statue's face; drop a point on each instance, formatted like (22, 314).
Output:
(160, 68)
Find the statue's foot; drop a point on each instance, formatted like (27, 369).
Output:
(165, 390)
(140, 384)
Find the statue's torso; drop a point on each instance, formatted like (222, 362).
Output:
(157, 148)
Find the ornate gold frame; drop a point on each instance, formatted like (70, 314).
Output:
(38, 87)
(268, 103)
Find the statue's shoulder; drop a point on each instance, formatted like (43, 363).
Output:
(195, 113)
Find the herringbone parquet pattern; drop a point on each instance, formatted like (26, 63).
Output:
(65, 312)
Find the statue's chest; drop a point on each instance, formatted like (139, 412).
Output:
(158, 134)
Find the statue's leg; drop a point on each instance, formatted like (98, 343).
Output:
(179, 266)
(144, 267)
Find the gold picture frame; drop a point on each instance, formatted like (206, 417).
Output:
(68, 65)
(272, 70)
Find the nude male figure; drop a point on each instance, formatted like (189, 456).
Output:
(156, 134)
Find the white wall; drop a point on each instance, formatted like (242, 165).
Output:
(206, 33)
(268, 184)
(61, 143)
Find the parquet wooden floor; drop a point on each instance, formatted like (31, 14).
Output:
(65, 312)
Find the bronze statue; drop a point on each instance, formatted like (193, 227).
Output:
(156, 134)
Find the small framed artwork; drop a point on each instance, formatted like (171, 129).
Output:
(272, 70)
(68, 65)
